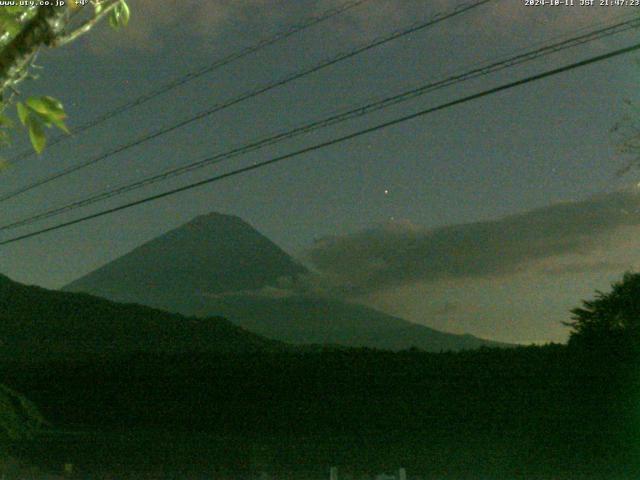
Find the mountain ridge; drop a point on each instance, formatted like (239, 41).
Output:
(36, 323)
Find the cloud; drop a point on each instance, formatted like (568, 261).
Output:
(155, 23)
(401, 253)
(499, 16)
(373, 18)
(151, 20)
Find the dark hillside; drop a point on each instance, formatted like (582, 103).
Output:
(38, 324)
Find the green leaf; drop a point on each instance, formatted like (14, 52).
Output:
(53, 105)
(49, 111)
(114, 20)
(36, 134)
(46, 106)
(126, 13)
(58, 122)
(120, 15)
(23, 113)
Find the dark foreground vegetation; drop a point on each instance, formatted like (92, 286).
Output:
(548, 412)
(551, 412)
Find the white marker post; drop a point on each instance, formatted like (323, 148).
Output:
(333, 473)
(402, 474)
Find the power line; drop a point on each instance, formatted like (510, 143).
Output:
(190, 76)
(251, 94)
(318, 146)
(526, 56)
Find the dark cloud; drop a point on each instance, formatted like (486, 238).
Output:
(401, 253)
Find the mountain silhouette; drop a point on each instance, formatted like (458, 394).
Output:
(220, 265)
(211, 254)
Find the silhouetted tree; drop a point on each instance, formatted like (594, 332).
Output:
(611, 319)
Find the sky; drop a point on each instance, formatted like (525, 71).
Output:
(494, 217)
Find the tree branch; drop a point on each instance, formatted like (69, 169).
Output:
(41, 30)
(87, 25)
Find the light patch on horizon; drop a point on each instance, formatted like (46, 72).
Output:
(523, 307)
(514, 279)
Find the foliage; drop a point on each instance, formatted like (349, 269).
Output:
(36, 113)
(19, 418)
(120, 15)
(524, 412)
(12, 20)
(611, 318)
(489, 413)
(24, 30)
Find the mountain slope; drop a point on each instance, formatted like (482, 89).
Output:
(39, 324)
(219, 265)
(211, 254)
(300, 320)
